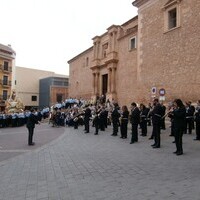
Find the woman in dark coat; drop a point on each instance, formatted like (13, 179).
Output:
(124, 122)
(179, 116)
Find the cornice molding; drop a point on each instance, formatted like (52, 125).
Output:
(138, 3)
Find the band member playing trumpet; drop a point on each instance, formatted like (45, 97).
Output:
(179, 117)
(156, 121)
(124, 122)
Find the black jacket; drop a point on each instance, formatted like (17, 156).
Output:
(32, 120)
(179, 117)
(157, 114)
(135, 116)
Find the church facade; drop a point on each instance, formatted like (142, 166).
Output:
(155, 54)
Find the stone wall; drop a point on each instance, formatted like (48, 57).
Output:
(170, 59)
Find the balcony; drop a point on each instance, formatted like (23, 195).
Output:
(6, 69)
(5, 83)
(111, 57)
(3, 98)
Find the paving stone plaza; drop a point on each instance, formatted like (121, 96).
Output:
(78, 166)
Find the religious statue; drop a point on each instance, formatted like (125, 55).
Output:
(14, 104)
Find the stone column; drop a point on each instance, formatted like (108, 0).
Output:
(109, 80)
(97, 50)
(93, 84)
(94, 52)
(111, 41)
(97, 83)
(113, 80)
(114, 40)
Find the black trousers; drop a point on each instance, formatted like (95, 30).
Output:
(156, 133)
(87, 125)
(134, 137)
(178, 139)
(115, 127)
(123, 128)
(188, 125)
(144, 127)
(198, 130)
(30, 135)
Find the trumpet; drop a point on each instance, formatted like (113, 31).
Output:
(170, 111)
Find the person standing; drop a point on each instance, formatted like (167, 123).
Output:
(179, 116)
(124, 122)
(31, 121)
(87, 119)
(156, 121)
(189, 118)
(143, 119)
(115, 119)
(135, 120)
(163, 116)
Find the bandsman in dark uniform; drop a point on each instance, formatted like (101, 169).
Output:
(32, 120)
(163, 116)
(156, 114)
(135, 120)
(143, 119)
(87, 119)
(124, 122)
(178, 114)
(115, 119)
(189, 118)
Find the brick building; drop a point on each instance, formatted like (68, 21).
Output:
(157, 49)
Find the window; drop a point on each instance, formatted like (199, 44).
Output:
(5, 94)
(104, 50)
(172, 18)
(5, 80)
(172, 15)
(34, 98)
(132, 43)
(5, 66)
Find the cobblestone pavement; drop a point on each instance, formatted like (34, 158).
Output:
(79, 166)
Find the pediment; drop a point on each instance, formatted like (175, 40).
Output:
(170, 3)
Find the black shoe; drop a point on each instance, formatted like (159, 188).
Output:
(156, 147)
(175, 152)
(196, 139)
(153, 145)
(33, 143)
(150, 138)
(86, 131)
(122, 137)
(174, 142)
(170, 135)
(96, 134)
(113, 135)
(179, 153)
(132, 142)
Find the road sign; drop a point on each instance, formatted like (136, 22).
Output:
(153, 90)
(162, 92)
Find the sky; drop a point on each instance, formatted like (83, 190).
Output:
(45, 34)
